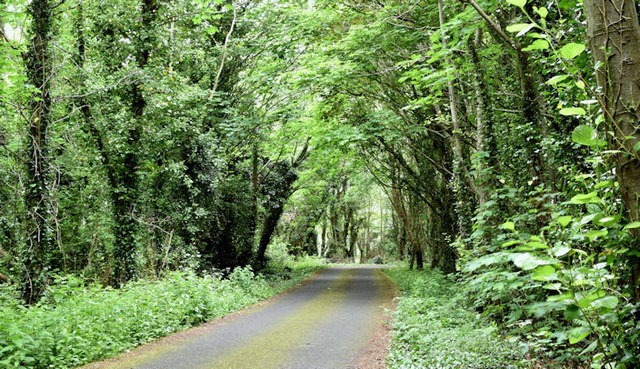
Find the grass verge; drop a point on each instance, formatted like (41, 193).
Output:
(77, 323)
(433, 329)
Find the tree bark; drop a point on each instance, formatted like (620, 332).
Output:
(614, 37)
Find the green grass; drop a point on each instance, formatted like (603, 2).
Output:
(433, 329)
(76, 324)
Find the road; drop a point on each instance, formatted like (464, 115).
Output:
(330, 321)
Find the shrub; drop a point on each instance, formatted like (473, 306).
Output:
(433, 329)
(77, 323)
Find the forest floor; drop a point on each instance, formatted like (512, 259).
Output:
(335, 319)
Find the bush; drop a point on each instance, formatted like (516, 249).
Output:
(77, 323)
(433, 329)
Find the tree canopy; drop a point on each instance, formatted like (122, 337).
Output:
(497, 140)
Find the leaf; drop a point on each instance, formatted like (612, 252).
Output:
(559, 251)
(573, 111)
(519, 27)
(584, 135)
(537, 245)
(608, 221)
(603, 184)
(527, 261)
(578, 334)
(518, 3)
(564, 220)
(542, 11)
(608, 302)
(564, 296)
(586, 198)
(542, 273)
(525, 30)
(571, 50)
(591, 235)
(509, 226)
(557, 79)
(632, 225)
(510, 243)
(572, 312)
(537, 45)
(586, 301)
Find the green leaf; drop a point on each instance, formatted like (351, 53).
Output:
(564, 220)
(572, 312)
(632, 225)
(603, 184)
(537, 45)
(510, 243)
(608, 221)
(542, 11)
(586, 301)
(608, 302)
(544, 272)
(519, 27)
(518, 3)
(560, 250)
(527, 261)
(564, 296)
(591, 235)
(509, 226)
(584, 135)
(578, 334)
(571, 50)
(557, 79)
(538, 245)
(586, 198)
(572, 111)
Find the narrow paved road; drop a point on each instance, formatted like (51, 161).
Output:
(325, 323)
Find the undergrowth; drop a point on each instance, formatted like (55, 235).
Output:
(433, 329)
(77, 323)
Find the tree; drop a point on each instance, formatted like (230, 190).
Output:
(614, 38)
(37, 254)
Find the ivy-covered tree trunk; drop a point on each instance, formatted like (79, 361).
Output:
(125, 194)
(37, 252)
(462, 182)
(280, 191)
(614, 36)
(485, 143)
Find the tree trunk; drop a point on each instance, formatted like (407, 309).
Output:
(614, 37)
(484, 125)
(276, 207)
(125, 196)
(530, 96)
(36, 257)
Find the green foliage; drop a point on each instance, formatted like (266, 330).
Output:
(76, 322)
(433, 329)
(560, 288)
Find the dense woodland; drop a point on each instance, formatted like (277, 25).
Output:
(496, 141)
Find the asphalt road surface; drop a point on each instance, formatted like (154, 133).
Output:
(325, 323)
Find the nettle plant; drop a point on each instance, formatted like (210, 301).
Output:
(563, 284)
